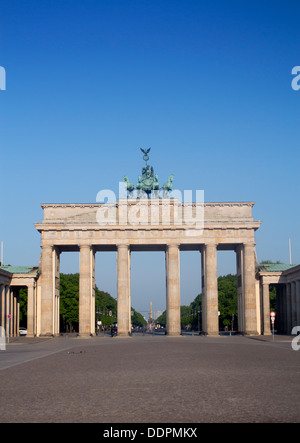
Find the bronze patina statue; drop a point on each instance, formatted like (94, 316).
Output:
(148, 184)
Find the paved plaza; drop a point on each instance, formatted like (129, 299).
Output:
(150, 379)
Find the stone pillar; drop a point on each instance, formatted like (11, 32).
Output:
(12, 314)
(7, 310)
(93, 301)
(47, 293)
(266, 308)
(203, 286)
(31, 309)
(38, 305)
(124, 294)
(17, 312)
(86, 291)
(2, 306)
(240, 288)
(173, 290)
(56, 289)
(15, 328)
(251, 326)
(211, 290)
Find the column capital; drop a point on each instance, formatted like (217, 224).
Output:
(172, 245)
(211, 245)
(249, 244)
(31, 283)
(85, 246)
(123, 245)
(45, 246)
(51, 248)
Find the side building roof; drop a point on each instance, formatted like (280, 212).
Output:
(20, 269)
(274, 267)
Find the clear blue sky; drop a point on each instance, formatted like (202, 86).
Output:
(206, 84)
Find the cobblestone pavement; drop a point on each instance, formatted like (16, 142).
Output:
(150, 379)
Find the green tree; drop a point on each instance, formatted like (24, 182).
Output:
(105, 305)
(162, 319)
(137, 319)
(227, 295)
(69, 301)
(23, 306)
(270, 262)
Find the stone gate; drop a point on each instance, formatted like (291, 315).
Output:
(160, 224)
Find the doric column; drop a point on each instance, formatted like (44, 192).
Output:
(7, 310)
(266, 308)
(47, 293)
(12, 313)
(31, 309)
(15, 327)
(240, 287)
(38, 305)
(203, 284)
(56, 289)
(17, 312)
(124, 294)
(251, 326)
(2, 306)
(173, 290)
(211, 290)
(86, 290)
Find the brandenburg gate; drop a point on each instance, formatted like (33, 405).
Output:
(148, 219)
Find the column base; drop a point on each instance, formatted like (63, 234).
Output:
(46, 335)
(123, 334)
(174, 334)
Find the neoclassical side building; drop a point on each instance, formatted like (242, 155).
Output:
(12, 278)
(286, 279)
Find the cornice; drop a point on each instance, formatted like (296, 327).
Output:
(130, 202)
(53, 226)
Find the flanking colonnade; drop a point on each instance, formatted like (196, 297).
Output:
(12, 279)
(9, 306)
(286, 279)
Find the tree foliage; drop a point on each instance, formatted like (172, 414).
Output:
(227, 291)
(105, 305)
(69, 301)
(23, 306)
